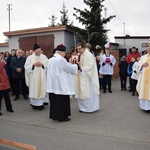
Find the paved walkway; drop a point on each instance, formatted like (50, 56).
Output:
(119, 125)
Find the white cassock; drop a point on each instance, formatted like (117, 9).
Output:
(143, 84)
(36, 79)
(87, 84)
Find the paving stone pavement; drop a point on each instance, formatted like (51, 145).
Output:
(118, 125)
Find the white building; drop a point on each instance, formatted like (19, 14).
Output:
(47, 37)
(127, 42)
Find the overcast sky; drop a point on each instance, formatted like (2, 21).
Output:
(132, 16)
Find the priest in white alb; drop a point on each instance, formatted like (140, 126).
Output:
(143, 84)
(87, 86)
(35, 75)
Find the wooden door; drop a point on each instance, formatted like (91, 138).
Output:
(26, 43)
(46, 43)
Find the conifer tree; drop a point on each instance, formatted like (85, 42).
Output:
(64, 18)
(93, 22)
(52, 21)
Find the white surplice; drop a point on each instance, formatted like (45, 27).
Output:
(36, 79)
(107, 69)
(60, 76)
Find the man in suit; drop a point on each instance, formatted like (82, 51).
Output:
(18, 74)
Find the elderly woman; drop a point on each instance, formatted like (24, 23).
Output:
(4, 87)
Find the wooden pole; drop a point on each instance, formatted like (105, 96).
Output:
(17, 144)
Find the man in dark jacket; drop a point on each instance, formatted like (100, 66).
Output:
(123, 64)
(18, 74)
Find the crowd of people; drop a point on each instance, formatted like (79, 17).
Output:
(42, 80)
(137, 68)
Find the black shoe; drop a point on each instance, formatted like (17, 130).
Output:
(34, 107)
(104, 91)
(125, 89)
(16, 98)
(121, 89)
(147, 111)
(40, 108)
(110, 91)
(133, 94)
(11, 111)
(26, 97)
(67, 119)
(1, 114)
(81, 111)
(45, 103)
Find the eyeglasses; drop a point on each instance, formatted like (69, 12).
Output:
(79, 48)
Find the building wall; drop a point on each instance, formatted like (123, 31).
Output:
(13, 42)
(128, 43)
(60, 37)
(69, 40)
(4, 48)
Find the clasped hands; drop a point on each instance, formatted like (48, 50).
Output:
(107, 63)
(18, 70)
(38, 64)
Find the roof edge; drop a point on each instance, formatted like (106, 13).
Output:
(38, 30)
(4, 44)
(131, 37)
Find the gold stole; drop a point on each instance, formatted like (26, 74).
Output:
(39, 82)
(146, 79)
(79, 73)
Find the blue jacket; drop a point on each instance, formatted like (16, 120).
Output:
(18, 63)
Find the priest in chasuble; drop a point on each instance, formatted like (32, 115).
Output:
(143, 84)
(87, 85)
(35, 75)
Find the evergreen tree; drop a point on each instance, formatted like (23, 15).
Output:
(93, 22)
(52, 21)
(64, 18)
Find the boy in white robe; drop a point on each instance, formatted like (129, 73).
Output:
(107, 63)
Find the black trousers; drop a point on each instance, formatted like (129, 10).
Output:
(59, 107)
(107, 80)
(133, 85)
(11, 81)
(123, 81)
(17, 86)
(5, 94)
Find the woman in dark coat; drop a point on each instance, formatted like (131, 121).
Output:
(4, 87)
